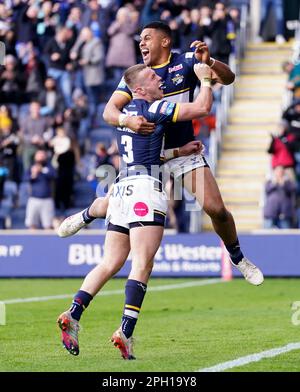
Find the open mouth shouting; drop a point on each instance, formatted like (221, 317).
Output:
(146, 55)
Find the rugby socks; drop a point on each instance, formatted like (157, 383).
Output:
(80, 302)
(134, 294)
(235, 252)
(87, 217)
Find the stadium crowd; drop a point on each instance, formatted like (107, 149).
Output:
(282, 190)
(63, 60)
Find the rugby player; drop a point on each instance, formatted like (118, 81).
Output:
(137, 204)
(176, 71)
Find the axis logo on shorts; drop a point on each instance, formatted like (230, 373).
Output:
(140, 209)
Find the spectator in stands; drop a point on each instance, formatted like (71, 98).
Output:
(12, 81)
(292, 116)
(121, 50)
(101, 158)
(8, 37)
(46, 23)
(234, 13)
(97, 18)
(205, 20)
(57, 51)
(222, 33)
(277, 7)
(166, 17)
(75, 120)
(113, 153)
(33, 133)
(26, 23)
(64, 162)
(152, 11)
(189, 25)
(74, 20)
(281, 148)
(40, 205)
(279, 210)
(293, 83)
(50, 98)
(89, 53)
(35, 72)
(3, 176)
(9, 142)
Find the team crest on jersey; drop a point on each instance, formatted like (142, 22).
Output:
(178, 79)
(167, 108)
(175, 68)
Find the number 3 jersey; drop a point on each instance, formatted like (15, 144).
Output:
(179, 82)
(136, 149)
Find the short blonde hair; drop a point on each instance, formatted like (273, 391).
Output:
(131, 74)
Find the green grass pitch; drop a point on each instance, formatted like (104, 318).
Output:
(179, 330)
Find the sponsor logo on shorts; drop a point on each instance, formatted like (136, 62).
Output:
(140, 209)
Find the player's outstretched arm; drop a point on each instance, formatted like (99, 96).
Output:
(203, 103)
(112, 115)
(221, 72)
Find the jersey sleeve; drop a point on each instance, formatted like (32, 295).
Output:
(163, 111)
(123, 89)
(189, 58)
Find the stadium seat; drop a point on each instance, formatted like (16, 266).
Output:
(18, 218)
(83, 194)
(100, 119)
(10, 189)
(100, 135)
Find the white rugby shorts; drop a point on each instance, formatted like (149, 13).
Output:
(137, 198)
(181, 165)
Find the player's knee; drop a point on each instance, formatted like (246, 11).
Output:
(219, 213)
(112, 267)
(142, 268)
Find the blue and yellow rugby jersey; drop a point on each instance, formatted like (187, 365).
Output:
(145, 150)
(179, 84)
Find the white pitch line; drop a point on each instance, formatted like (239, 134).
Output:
(252, 358)
(115, 292)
